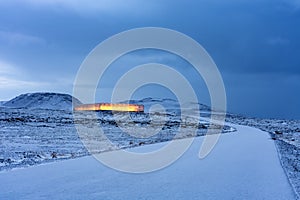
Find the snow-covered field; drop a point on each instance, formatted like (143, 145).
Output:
(244, 164)
(30, 136)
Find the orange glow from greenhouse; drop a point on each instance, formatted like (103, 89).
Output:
(110, 107)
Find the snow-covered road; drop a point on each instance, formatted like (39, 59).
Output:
(243, 165)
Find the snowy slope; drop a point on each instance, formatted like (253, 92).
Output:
(2, 102)
(42, 100)
(242, 166)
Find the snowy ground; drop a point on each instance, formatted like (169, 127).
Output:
(34, 136)
(31, 136)
(243, 165)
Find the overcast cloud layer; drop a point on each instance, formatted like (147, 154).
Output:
(254, 43)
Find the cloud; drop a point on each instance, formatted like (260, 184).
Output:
(278, 41)
(6, 68)
(10, 83)
(295, 3)
(20, 38)
(11, 77)
(14, 81)
(94, 6)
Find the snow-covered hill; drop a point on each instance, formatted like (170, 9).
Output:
(168, 104)
(42, 100)
(2, 102)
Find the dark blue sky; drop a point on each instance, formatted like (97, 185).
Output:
(255, 44)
